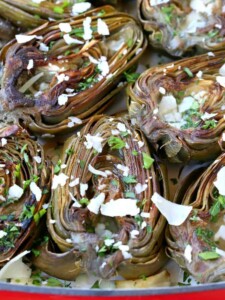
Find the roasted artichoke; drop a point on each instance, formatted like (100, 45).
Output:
(101, 216)
(198, 244)
(182, 26)
(180, 107)
(24, 187)
(57, 76)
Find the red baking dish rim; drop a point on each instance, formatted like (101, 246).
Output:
(208, 291)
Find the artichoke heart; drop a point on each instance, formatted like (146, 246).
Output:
(60, 74)
(198, 245)
(101, 216)
(180, 107)
(181, 27)
(24, 188)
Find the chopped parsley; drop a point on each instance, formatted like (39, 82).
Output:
(208, 255)
(147, 160)
(116, 143)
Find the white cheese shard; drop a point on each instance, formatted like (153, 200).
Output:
(79, 8)
(109, 242)
(62, 77)
(220, 181)
(102, 27)
(69, 40)
(96, 172)
(3, 142)
(65, 27)
(2, 234)
(15, 268)
(37, 159)
(223, 137)
(103, 65)
(124, 249)
(87, 29)
(186, 104)
(83, 188)
(121, 127)
(222, 70)
(221, 80)
(162, 90)
(36, 191)
(220, 234)
(120, 208)
(202, 6)
(94, 141)
(220, 252)
(75, 182)
(134, 233)
(188, 253)
(139, 188)
(158, 2)
(211, 54)
(62, 99)
(207, 116)
(95, 203)
(76, 203)
(23, 38)
(38, 1)
(59, 180)
(52, 221)
(43, 47)
(145, 215)
(30, 64)
(174, 213)
(199, 74)
(15, 192)
(74, 121)
(124, 169)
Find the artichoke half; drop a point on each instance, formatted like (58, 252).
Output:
(24, 188)
(183, 26)
(57, 76)
(180, 107)
(198, 244)
(101, 216)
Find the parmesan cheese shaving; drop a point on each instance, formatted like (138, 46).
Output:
(220, 181)
(95, 203)
(36, 191)
(175, 214)
(120, 208)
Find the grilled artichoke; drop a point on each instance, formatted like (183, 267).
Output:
(101, 216)
(181, 26)
(198, 244)
(30, 14)
(180, 107)
(24, 183)
(60, 74)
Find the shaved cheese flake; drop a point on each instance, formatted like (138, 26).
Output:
(222, 70)
(95, 203)
(109, 242)
(134, 233)
(211, 54)
(207, 116)
(76, 203)
(36, 191)
(120, 208)
(15, 192)
(59, 180)
(139, 188)
(175, 214)
(52, 221)
(74, 121)
(220, 252)
(162, 90)
(199, 74)
(62, 77)
(220, 234)
(37, 159)
(223, 137)
(103, 65)
(83, 188)
(124, 169)
(30, 64)
(96, 172)
(3, 142)
(158, 2)
(65, 27)
(145, 215)
(94, 141)
(15, 268)
(188, 253)
(79, 8)
(74, 182)
(69, 40)
(102, 27)
(221, 80)
(121, 127)
(2, 234)
(43, 47)
(62, 99)
(220, 181)
(87, 29)
(186, 104)
(23, 38)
